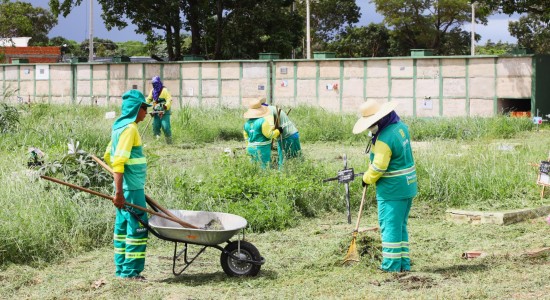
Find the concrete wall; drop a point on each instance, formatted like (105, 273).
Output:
(423, 86)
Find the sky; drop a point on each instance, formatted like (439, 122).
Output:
(75, 26)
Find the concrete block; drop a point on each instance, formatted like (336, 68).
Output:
(351, 104)
(118, 71)
(329, 103)
(171, 72)
(426, 111)
(454, 87)
(99, 72)
(377, 87)
(499, 217)
(210, 71)
(253, 70)
(284, 70)
(230, 70)
(306, 88)
(230, 88)
(377, 69)
(190, 88)
(83, 72)
(352, 87)
(151, 70)
(210, 88)
(42, 88)
(427, 69)
(11, 73)
(354, 69)
(454, 107)
(482, 67)
(514, 87)
(135, 71)
(284, 88)
(402, 68)
(306, 69)
(401, 87)
(453, 67)
(190, 70)
(482, 87)
(515, 67)
(481, 107)
(100, 88)
(404, 106)
(329, 69)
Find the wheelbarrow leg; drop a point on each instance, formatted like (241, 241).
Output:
(186, 261)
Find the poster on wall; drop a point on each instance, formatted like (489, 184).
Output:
(42, 72)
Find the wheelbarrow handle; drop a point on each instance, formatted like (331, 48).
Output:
(111, 198)
(150, 201)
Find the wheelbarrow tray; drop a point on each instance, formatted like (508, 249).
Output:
(166, 228)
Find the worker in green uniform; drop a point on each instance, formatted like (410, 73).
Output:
(392, 170)
(289, 145)
(125, 155)
(258, 131)
(162, 102)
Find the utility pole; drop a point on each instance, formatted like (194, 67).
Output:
(308, 37)
(473, 42)
(91, 38)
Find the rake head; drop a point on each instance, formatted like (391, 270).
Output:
(353, 255)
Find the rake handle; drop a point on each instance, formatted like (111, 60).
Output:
(147, 198)
(111, 198)
(360, 209)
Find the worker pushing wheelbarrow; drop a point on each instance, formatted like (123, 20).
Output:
(129, 165)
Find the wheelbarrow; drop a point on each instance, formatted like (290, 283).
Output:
(238, 258)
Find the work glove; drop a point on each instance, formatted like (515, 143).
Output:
(364, 184)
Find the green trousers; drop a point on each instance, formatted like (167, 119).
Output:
(261, 154)
(392, 217)
(130, 237)
(288, 148)
(164, 124)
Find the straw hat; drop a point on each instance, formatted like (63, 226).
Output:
(371, 112)
(256, 109)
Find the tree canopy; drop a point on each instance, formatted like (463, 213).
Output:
(429, 24)
(21, 19)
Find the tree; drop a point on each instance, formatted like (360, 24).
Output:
(102, 47)
(428, 24)
(250, 26)
(532, 32)
(492, 48)
(21, 19)
(132, 48)
(368, 41)
(328, 19)
(540, 8)
(157, 19)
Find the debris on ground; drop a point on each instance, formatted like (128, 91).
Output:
(214, 224)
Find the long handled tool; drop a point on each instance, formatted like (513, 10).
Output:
(353, 255)
(184, 224)
(150, 201)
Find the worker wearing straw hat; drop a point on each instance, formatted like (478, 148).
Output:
(289, 146)
(392, 170)
(125, 155)
(259, 130)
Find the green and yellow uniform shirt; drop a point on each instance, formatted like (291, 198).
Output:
(392, 164)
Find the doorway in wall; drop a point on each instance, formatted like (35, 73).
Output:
(514, 107)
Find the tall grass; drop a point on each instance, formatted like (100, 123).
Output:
(459, 165)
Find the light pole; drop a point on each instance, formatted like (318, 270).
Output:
(308, 37)
(473, 42)
(91, 39)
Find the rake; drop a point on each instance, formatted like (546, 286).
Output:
(353, 254)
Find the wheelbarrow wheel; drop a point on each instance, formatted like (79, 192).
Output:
(234, 267)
